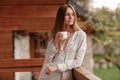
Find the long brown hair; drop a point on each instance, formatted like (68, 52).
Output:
(59, 22)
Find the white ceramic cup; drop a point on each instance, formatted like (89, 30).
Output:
(65, 34)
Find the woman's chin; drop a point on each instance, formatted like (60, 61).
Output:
(70, 24)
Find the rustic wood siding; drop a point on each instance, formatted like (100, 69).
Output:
(30, 15)
(6, 45)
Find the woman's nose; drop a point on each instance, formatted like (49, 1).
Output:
(70, 16)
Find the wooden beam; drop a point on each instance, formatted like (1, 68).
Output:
(32, 2)
(17, 63)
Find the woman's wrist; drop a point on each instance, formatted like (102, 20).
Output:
(55, 44)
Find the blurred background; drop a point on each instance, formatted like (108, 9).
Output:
(101, 23)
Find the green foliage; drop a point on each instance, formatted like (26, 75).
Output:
(107, 32)
(106, 28)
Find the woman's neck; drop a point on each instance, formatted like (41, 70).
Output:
(69, 29)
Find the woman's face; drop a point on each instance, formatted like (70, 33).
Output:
(69, 17)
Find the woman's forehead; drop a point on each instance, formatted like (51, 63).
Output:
(69, 10)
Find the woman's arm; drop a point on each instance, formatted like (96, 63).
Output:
(69, 64)
(51, 51)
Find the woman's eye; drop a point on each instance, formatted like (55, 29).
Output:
(72, 14)
(66, 14)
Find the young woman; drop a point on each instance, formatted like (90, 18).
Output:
(64, 54)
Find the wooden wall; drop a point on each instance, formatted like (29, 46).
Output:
(29, 15)
(24, 14)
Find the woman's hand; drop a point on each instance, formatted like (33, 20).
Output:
(50, 69)
(57, 40)
(58, 37)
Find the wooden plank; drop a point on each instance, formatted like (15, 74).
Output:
(6, 37)
(30, 24)
(77, 75)
(11, 21)
(12, 63)
(3, 38)
(6, 47)
(6, 75)
(16, 21)
(31, 2)
(44, 27)
(29, 11)
(9, 28)
(6, 53)
(29, 28)
(81, 73)
(5, 34)
(6, 56)
(21, 69)
(35, 21)
(5, 41)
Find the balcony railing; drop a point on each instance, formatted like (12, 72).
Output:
(82, 74)
(35, 65)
